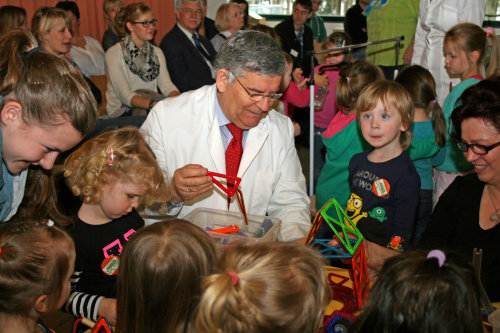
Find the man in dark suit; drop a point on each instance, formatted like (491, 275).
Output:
(297, 40)
(207, 26)
(189, 56)
(296, 37)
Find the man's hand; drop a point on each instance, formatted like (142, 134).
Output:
(189, 182)
(376, 256)
(409, 53)
(107, 308)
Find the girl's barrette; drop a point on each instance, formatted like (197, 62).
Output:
(439, 255)
(111, 157)
(434, 101)
(1, 99)
(234, 277)
(50, 223)
(490, 31)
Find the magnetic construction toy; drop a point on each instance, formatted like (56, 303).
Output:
(350, 246)
(230, 190)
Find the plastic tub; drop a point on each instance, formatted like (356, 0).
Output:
(259, 228)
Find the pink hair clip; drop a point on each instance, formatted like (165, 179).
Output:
(111, 157)
(439, 255)
(234, 277)
(490, 31)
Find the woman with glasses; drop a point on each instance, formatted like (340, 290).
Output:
(136, 68)
(228, 20)
(467, 215)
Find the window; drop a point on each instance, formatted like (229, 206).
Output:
(337, 8)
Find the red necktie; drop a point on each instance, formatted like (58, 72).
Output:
(234, 150)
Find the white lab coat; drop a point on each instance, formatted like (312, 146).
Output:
(435, 18)
(184, 130)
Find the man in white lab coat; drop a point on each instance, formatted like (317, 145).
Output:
(189, 137)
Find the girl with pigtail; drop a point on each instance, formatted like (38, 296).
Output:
(464, 50)
(36, 262)
(110, 173)
(428, 122)
(265, 287)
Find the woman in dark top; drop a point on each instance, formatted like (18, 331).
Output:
(467, 215)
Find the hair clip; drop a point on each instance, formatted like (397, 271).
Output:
(111, 157)
(490, 31)
(1, 99)
(439, 255)
(0, 250)
(234, 277)
(50, 223)
(33, 50)
(434, 100)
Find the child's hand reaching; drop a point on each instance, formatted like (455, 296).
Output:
(107, 308)
(297, 75)
(321, 80)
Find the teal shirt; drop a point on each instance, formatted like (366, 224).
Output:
(333, 182)
(454, 160)
(422, 130)
(317, 25)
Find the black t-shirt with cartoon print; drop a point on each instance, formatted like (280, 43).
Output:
(384, 199)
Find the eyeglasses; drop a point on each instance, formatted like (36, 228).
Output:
(477, 149)
(256, 97)
(146, 24)
(190, 11)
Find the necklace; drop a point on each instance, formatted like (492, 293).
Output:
(494, 216)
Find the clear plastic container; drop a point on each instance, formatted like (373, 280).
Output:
(320, 97)
(259, 228)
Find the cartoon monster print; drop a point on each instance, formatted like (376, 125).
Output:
(395, 243)
(353, 208)
(378, 213)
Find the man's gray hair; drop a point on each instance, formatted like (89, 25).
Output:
(180, 3)
(251, 51)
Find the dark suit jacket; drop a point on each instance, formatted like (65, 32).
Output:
(210, 30)
(289, 42)
(186, 66)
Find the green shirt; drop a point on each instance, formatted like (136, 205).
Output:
(333, 182)
(395, 18)
(318, 27)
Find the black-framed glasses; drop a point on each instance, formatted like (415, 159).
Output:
(477, 149)
(146, 24)
(257, 97)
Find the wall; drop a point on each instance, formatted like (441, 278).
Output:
(92, 20)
